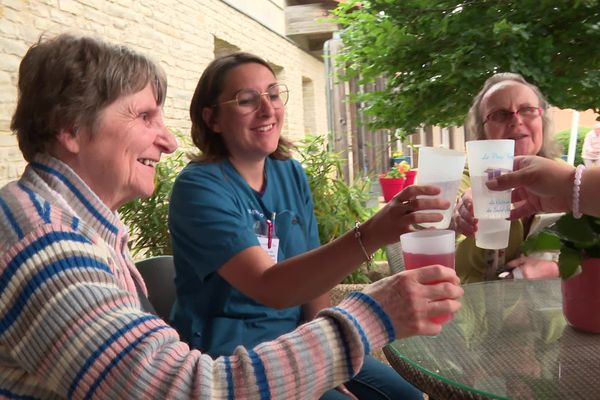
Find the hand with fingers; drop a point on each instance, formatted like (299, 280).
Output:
(464, 220)
(534, 268)
(540, 184)
(398, 216)
(411, 300)
(344, 390)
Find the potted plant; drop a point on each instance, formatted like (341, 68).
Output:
(578, 241)
(396, 179)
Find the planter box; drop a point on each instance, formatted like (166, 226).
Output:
(339, 292)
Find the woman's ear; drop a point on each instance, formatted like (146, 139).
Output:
(69, 140)
(208, 116)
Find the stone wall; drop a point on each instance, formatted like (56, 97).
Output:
(183, 35)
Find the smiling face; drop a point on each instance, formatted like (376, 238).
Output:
(118, 159)
(526, 132)
(248, 137)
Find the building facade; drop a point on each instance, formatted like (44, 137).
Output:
(182, 35)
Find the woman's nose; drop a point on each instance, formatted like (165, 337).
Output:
(266, 107)
(166, 141)
(515, 119)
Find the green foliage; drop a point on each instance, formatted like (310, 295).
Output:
(436, 54)
(147, 218)
(575, 238)
(337, 204)
(564, 137)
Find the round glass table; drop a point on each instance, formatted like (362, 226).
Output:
(508, 341)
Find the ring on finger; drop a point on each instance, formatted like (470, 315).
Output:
(408, 205)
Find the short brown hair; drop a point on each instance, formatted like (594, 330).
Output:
(209, 88)
(474, 121)
(65, 81)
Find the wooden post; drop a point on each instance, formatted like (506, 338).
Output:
(339, 114)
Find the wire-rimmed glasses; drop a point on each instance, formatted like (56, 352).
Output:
(503, 116)
(249, 100)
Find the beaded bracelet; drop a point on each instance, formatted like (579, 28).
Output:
(358, 236)
(576, 188)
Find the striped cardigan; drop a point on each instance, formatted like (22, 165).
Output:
(71, 324)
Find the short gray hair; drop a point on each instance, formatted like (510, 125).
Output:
(65, 81)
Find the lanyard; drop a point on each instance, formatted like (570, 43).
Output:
(270, 226)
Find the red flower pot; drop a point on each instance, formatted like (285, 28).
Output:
(410, 177)
(581, 300)
(390, 186)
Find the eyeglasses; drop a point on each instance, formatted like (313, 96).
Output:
(249, 100)
(503, 116)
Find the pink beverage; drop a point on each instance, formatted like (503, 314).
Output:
(413, 261)
(429, 247)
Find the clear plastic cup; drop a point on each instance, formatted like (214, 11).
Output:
(442, 168)
(492, 234)
(488, 159)
(428, 247)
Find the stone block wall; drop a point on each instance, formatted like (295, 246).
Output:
(183, 35)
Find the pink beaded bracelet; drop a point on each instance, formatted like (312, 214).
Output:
(576, 188)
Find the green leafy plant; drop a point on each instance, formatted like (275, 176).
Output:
(575, 238)
(337, 204)
(563, 138)
(147, 218)
(435, 54)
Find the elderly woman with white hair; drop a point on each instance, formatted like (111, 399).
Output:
(507, 107)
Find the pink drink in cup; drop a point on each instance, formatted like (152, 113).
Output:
(428, 247)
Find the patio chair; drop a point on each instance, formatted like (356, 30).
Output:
(159, 277)
(394, 257)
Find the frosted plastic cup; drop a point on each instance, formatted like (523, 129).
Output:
(489, 159)
(492, 234)
(442, 168)
(428, 247)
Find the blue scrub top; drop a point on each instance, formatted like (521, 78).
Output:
(214, 215)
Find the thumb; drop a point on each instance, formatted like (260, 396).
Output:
(508, 181)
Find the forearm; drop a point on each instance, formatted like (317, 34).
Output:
(310, 309)
(302, 278)
(88, 338)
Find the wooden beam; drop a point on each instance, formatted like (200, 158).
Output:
(309, 19)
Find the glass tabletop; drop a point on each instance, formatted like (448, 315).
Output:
(509, 340)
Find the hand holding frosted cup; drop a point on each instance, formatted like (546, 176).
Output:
(487, 160)
(429, 247)
(413, 303)
(397, 216)
(540, 184)
(465, 222)
(442, 168)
